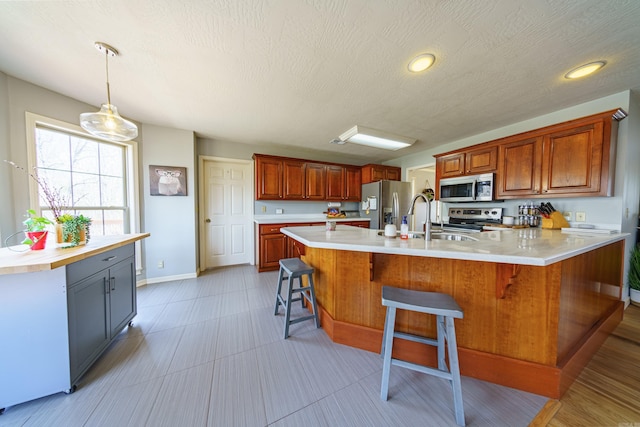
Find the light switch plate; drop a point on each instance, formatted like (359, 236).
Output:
(279, 211)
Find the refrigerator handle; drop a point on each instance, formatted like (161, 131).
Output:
(396, 207)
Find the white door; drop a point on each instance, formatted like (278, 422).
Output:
(227, 213)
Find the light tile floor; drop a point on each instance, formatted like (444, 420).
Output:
(209, 352)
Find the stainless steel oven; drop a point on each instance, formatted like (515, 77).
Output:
(470, 188)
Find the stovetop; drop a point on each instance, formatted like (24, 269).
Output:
(473, 219)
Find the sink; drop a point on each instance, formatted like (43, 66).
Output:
(436, 236)
(452, 236)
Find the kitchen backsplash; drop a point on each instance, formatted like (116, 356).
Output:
(271, 207)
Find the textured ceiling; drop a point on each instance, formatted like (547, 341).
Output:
(301, 72)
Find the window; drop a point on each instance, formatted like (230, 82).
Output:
(93, 177)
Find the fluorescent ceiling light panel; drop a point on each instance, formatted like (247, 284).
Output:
(376, 138)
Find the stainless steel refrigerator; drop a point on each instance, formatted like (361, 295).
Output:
(384, 202)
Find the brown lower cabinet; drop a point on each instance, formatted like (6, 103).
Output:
(274, 246)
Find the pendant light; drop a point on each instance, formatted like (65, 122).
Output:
(107, 123)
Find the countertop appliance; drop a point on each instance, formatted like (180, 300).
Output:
(472, 219)
(470, 188)
(385, 202)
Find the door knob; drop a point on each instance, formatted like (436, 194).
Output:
(207, 220)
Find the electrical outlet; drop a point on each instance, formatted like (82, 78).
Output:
(568, 215)
(160, 264)
(581, 216)
(279, 211)
(264, 209)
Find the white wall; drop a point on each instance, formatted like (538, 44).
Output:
(7, 218)
(171, 220)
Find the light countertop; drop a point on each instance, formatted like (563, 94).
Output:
(300, 218)
(52, 257)
(529, 246)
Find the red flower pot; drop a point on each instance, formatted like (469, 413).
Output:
(39, 239)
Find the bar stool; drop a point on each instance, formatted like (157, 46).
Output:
(295, 268)
(445, 309)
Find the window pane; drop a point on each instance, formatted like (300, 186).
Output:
(52, 150)
(84, 155)
(111, 160)
(114, 222)
(86, 190)
(112, 191)
(58, 184)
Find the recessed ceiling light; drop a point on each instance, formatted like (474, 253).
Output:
(585, 70)
(421, 62)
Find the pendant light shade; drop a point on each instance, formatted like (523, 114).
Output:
(107, 123)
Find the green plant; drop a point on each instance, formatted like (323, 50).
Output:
(72, 228)
(634, 268)
(34, 223)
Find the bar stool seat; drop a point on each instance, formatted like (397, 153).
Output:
(445, 308)
(290, 269)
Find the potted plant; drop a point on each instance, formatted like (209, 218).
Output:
(36, 230)
(634, 275)
(74, 229)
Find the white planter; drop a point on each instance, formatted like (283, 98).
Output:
(635, 296)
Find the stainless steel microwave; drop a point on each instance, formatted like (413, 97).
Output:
(470, 188)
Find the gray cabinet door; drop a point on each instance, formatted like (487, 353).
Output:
(89, 332)
(122, 295)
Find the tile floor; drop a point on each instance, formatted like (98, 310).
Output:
(209, 352)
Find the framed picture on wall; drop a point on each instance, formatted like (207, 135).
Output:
(167, 180)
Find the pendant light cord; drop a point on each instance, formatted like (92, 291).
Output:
(106, 53)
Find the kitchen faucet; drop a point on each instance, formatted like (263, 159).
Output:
(427, 231)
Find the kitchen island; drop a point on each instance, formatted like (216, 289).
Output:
(537, 303)
(59, 311)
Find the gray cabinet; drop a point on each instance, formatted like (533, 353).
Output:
(101, 300)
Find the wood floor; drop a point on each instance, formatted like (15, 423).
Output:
(607, 392)
(209, 352)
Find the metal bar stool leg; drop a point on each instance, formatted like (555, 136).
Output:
(288, 305)
(454, 368)
(387, 349)
(278, 297)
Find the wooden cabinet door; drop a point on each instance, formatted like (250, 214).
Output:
(519, 168)
(361, 224)
(268, 178)
(352, 184)
(315, 181)
(392, 173)
(293, 179)
(481, 161)
(273, 248)
(451, 165)
(335, 182)
(573, 161)
(378, 173)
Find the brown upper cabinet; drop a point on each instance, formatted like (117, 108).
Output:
(373, 173)
(283, 178)
(344, 183)
(570, 159)
(471, 162)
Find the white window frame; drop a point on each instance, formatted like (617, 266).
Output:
(33, 120)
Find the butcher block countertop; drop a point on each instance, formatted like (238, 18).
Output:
(12, 262)
(530, 246)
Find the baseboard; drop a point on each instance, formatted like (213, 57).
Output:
(163, 279)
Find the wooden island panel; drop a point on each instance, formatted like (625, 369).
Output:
(534, 334)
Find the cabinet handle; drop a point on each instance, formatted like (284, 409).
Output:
(112, 281)
(111, 258)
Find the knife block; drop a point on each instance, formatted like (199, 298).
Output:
(555, 222)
